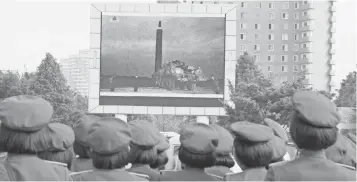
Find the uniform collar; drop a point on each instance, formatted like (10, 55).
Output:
(313, 154)
(187, 168)
(56, 163)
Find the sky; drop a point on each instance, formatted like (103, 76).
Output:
(30, 28)
(131, 42)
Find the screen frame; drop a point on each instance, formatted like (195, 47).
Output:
(155, 105)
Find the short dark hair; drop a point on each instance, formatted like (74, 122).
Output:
(81, 151)
(138, 155)
(310, 137)
(65, 157)
(253, 154)
(114, 161)
(196, 160)
(20, 142)
(224, 160)
(161, 160)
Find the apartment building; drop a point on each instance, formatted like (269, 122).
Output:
(287, 37)
(75, 69)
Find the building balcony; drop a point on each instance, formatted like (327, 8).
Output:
(332, 71)
(307, 6)
(306, 18)
(305, 50)
(332, 61)
(332, 40)
(306, 39)
(333, 19)
(333, 8)
(332, 51)
(306, 28)
(333, 28)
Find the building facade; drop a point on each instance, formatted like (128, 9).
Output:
(286, 38)
(75, 69)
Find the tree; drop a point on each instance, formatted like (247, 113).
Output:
(347, 93)
(50, 84)
(22, 86)
(8, 79)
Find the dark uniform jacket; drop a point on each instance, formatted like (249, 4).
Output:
(146, 170)
(219, 171)
(82, 164)
(188, 174)
(108, 175)
(310, 167)
(252, 174)
(30, 168)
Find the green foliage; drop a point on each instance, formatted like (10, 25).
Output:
(347, 93)
(8, 80)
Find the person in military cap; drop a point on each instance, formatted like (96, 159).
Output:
(224, 161)
(84, 161)
(343, 152)
(197, 152)
(109, 140)
(143, 152)
(24, 121)
(280, 149)
(313, 129)
(253, 150)
(162, 157)
(59, 150)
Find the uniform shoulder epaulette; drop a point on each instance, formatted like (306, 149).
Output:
(227, 175)
(276, 163)
(80, 172)
(56, 163)
(346, 166)
(140, 175)
(216, 176)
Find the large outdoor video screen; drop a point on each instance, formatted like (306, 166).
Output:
(162, 56)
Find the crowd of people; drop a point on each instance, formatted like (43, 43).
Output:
(101, 149)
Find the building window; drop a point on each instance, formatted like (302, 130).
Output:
(243, 26)
(304, 13)
(271, 26)
(285, 47)
(305, 24)
(270, 68)
(256, 57)
(296, 37)
(296, 69)
(271, 5)
(284, 58)
(257, 26)
(296, 47)
(243, 15)
(271, 15)
(286, 5)
(270, 58)
(296, 26)
(243, 47)
(283, 79)
(296, 58)
(303, 67)
(304, 57)
(271, 36)
(257, 47)
(296, 16)
(285, 16)
(284, 36)
(305, 34)
(243, 5)
(284, 68)
(296, 5)
(259, 5)
(256, 36)
(271, 47)
(241, 53)
(306, 2)
(243, 36)
(286, 26)
(305, 45)
(216, 2)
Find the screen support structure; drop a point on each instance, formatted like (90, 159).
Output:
(96, 10)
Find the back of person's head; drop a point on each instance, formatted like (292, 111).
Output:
(198, 145)
(314, 121)
(59, 140)
(253, 144)
(109, 140)
(144, 139)
(80, 146)
(22, 120)
(280, 148)
(162, 158)
(224, 148)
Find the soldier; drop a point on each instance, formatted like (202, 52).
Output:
(80, 146)
(24, 121)
(313, 129)
(343, 152)
(162, 157)
(59, 150)
(253, 150)
(280, 148)
(143, 152)
(109, 140)
(224, 161)
(197, 152)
